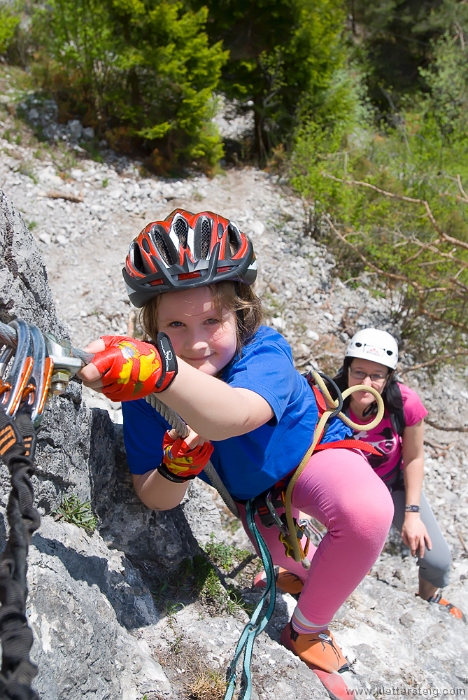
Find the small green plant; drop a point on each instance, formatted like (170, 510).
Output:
(105, 182)
(221, 554)
(207, 684)
(175, 643)
(73, 511)
(25, 169)
(199, 578)
(32, 225)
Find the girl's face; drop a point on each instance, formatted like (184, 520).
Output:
(369, 373)
(201, 336)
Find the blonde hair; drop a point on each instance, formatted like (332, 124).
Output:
(236, 297)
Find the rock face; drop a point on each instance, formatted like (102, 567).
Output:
(24, 291)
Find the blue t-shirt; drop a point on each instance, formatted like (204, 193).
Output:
(247, 464)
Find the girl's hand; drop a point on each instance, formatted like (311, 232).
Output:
(193, 439)
(125, 368)
(185, 459)
(415, 535)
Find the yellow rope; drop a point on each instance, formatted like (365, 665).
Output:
(298, 555)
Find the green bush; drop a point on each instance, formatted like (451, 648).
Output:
(9, 20)
(141, 72)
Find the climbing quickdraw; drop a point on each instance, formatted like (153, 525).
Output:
(27, 366)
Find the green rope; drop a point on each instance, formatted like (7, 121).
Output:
(257, 622)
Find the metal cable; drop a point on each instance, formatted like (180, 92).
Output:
(181, 427)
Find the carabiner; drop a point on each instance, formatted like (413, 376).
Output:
(36, 391)
(20, 371)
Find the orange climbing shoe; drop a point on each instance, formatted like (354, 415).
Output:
(317, 649)
(285, 581)
(324, 657)
(456, 612)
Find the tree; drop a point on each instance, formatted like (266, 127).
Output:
(282, 54)
(393, 37)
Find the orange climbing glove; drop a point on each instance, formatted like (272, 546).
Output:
(181, 463)
(132, 369)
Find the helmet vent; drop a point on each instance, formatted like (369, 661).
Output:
(161, 245)
(202, 238)
(181, 229)
(205, 239)
(234, 238)
(137, 261)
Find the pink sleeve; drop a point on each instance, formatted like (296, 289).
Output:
(412, 405)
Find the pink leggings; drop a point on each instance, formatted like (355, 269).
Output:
(340, 490)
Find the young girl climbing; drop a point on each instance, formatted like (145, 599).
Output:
(371, 359)
(234, 383)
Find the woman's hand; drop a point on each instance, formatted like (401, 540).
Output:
(415, 535)
(125, 368)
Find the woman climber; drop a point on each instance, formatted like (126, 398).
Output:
(250, 411)
(371, 358)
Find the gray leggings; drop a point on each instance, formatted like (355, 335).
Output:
(434, 567)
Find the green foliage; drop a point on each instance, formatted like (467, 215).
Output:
(73, 511)
(369, 190)
(221, 554)
(9, 20)
(393, 40)
(447, 77)
(282, 56)
(141, 72)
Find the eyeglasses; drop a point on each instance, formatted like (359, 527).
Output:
(376, 378)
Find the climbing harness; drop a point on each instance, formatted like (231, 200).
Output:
(292, 539)
(32, 365)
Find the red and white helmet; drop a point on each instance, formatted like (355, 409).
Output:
(185, 251)
(375, 345)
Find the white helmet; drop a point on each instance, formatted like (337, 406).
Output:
(375, 345)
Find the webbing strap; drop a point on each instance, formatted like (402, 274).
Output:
(257, 622)
(16, 637)
(350, 445)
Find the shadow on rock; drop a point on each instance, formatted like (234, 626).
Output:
(162, 538)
